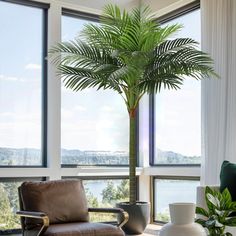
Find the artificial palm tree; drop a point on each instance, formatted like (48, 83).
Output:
(130, 53)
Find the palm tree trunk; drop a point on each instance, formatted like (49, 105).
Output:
(132, 156)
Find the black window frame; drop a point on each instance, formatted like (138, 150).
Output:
(161, 20)
(95, 18)
(17, 179)
(44, 78)
(165, 177)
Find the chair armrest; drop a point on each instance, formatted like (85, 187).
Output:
(36, 215)
(106, 210)
(124, 214)
(31, 214)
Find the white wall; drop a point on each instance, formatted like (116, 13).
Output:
(99, 4)
(162, 7)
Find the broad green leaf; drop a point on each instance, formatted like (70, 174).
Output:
(226, 198)
(210, 223)
(202, 211)
(220, 212)
(210, 206)
(228, 234)
(232, 206)
(231, 221)
(201, 222)
(218, 224)
(214, 200)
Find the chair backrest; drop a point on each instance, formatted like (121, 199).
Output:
(63, 201)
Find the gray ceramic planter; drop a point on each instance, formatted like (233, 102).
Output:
(139, 216)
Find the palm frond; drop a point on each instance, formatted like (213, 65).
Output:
(131, 54)
(81, 54)
(113, 19)
(181, 56)
(99, 36)
(160, 81)
(168, 31)
(79, 79)
(174, 45)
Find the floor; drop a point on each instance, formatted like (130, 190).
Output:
(151, 230)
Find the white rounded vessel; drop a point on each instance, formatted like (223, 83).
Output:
(182, 221)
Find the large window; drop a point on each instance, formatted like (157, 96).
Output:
(21, 84)
(168, 191)
(94, 123)
(177, 127)
(9, 203)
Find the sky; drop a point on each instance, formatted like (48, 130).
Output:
(91, 120)
(178, 113)
(20, 76)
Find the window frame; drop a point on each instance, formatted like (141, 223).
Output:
(44, 79)
(95, 18)
(161, 20)
(29, 3)
(165, 177)
(179, 12)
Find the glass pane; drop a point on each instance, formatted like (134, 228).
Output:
(178, 113)
(9, 204)
(20, 84)
(94, 123)
(105, 193)
(170, 191)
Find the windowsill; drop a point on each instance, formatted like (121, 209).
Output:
(98, 171)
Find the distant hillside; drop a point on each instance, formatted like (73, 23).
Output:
(20, 156)
(94, 157)
(30, 156)
(169, 157)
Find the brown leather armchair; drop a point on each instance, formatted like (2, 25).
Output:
(59, 208)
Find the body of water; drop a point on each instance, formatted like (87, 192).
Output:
(166, 191)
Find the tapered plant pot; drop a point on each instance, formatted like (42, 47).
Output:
(182, 221)
(139, 216)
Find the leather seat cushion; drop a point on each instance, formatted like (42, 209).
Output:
(83, 229)
(62, 200)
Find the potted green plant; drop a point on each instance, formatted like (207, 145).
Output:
(130, 53)
(219, 213)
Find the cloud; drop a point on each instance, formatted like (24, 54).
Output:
(32, 66)
(10, 78)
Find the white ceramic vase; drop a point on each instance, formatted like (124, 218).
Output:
(182, 221)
